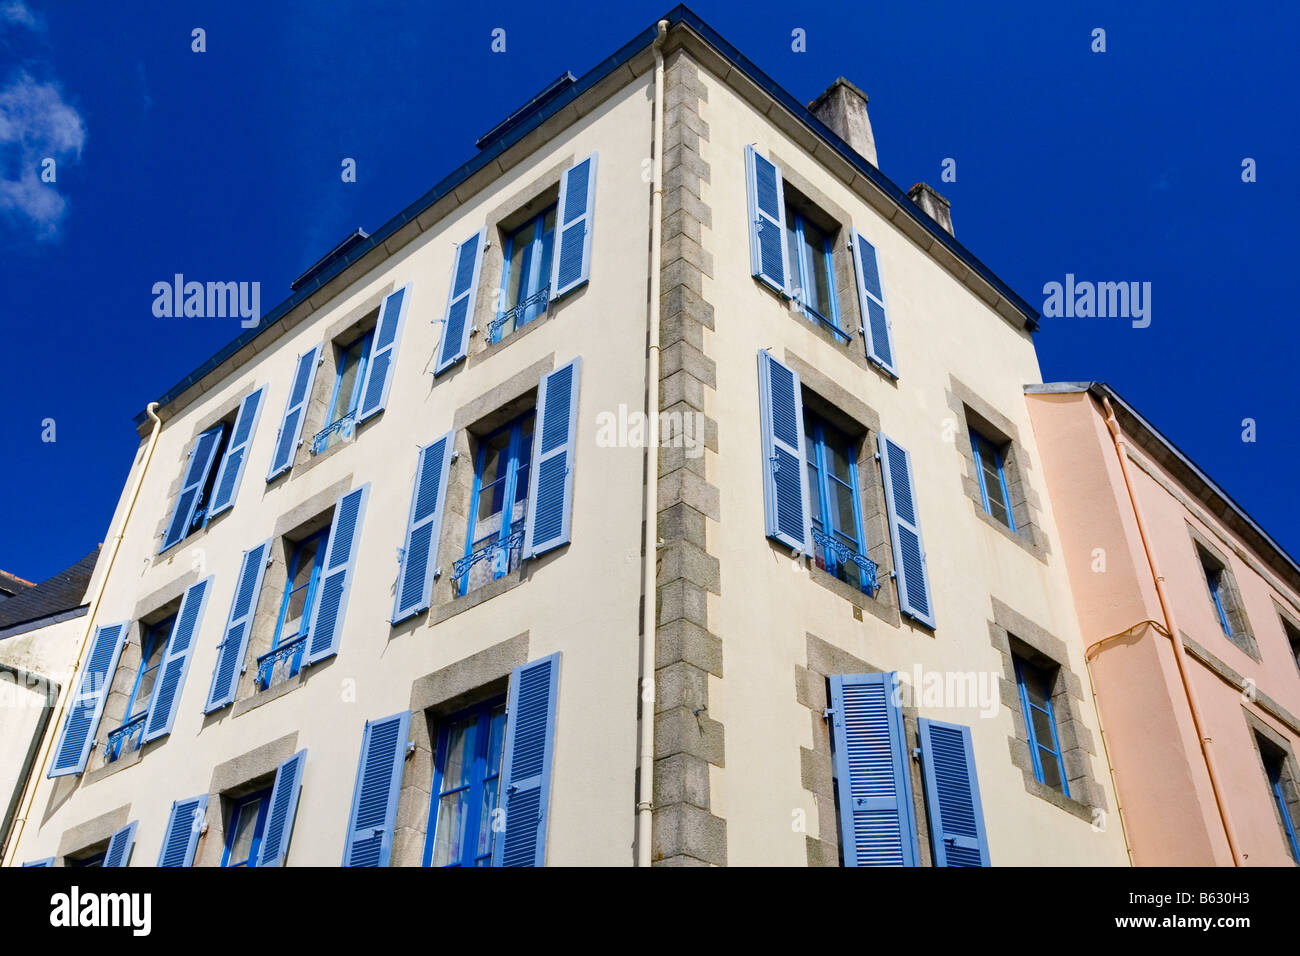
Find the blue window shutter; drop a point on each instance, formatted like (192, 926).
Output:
(423, 528)
(120, 845)
(284, 803)
(526, 773)
(234, 640)
(952, 795)
(295, 410)
(182, 833)
(379, 371)
(874, 781)
(196, 476)
(176, 664)
(876, 330)
(374, 800)
(459, 321)
(87, 704)
(766, 220)
(550, 484)
(571, 264)
(232, 466)
(785, 477)
(48, 861)
(905, 529)
(331, 600)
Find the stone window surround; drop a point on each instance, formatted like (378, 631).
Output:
(861, 423)
(973, 412)
(1289, 620)
(1243, 636)
(1010, 631)
(1290, 769)
(91, 837)
(435, 696)
(812, 690)
(235, 778)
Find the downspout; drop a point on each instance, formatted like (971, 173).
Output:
(56, 718)
(646, 696)
(1171, 629)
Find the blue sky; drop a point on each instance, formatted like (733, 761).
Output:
(224, 165)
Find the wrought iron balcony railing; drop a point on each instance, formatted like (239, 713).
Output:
(537, 299)
(496, 549)
(343, 428)
(845, 555)
(130, 731)
(289, 654)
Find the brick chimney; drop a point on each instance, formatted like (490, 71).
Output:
(932, 204)
(843, 107)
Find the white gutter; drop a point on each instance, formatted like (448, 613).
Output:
(645, 787)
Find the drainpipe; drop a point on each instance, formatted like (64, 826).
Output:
(645, 786)
(1171, 630)
(56, 718)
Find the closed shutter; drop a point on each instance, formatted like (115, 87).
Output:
(423, 528)
(874, 782)
(331, 600)
(576, 215)
(526, 773)
(241, 440)
(176, 662)
(952, 795)
(234, 640)
(295, 411)
(766, 219)
(48, 861)
(374, 800)
(383, 354)
(460, 302)
(182, 834)
(284, 804)
(905, 529)
(785, 477)
(120, 845)
(87, 703)
(876, 331)
(196, 477)
(550, 484)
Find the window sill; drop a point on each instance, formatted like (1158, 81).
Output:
(478, 596)
(273, 692)
(121, 763)
(1027, 541)
(1058, 799)
(493, 347)
(878, 607)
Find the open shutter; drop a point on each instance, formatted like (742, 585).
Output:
(571, 266)
(234, 640)
(766, 220)
(460, 302)
(423, 527)
(284, 803)
(550, 482)
(873, 777)
(905, 529)
(182, 834)
(952, 795)
(383, 355)
(48, 861)
(120, 845)
(176, 662)
(331, 600)
(196, 476)
(87, 703)
(295, 410)
(374, 800)
(785, 478)
(526, 774)
(871, 297)
(232, 466)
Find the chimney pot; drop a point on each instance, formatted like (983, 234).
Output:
(932, 204)
(843, 108)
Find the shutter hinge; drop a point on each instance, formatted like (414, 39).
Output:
(916, 754)
(410, 748)
(437, 572)
(828, 713)
(454, 455)
(320, 358)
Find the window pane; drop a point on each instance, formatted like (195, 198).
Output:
(519, 254)
(483, 846)
(451, 828)
(460, 756)
(1042, 728)
(818, 295)
(1035, 685)
(496, 734)
(548, 242)
(1051, 769)
(792, 251)
(245, 829)
(814, 489)
(845, 520)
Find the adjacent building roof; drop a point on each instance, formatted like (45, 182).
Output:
(11, 584)
(554, 99)
(53, 597)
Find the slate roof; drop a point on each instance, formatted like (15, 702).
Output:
(62, 592)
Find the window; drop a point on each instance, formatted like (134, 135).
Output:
(1282, 789)
(352, 360)
(153, 645)
(467, 771)
(285, 657)
(246, 830)
(838, 540)
(992, 479)
(1035, 686)
(1222, 595)
(1292, 639)
(526, 276)
(494, 544)
(95, 859)
(810, 253)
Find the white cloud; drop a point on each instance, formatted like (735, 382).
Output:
(15, 11)
(36, 124)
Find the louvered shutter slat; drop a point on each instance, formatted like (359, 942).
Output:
(571, 265)
(550, 482)
(284, 804)
(526, 770)
(374, 799)
(236, 458)
(905, 525)
(175, 664)
(295, 411)
(383, 355)
(876, 331)
(424, 526)
(766, 196)
(785, 477)
(952, 795)
(234, 641)
(330, 603)
(182, 833)
(461, 298)
(119, 846)
(87, 704)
